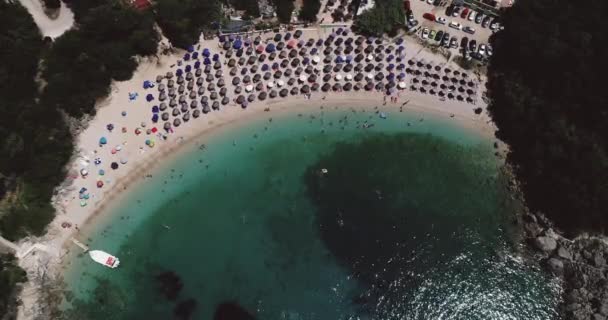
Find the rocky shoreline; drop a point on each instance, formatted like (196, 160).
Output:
(579, 263)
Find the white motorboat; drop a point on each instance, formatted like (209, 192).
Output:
(104, 258)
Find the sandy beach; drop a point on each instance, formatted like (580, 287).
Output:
(136, 158)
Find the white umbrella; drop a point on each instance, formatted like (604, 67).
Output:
(370, 57)
(349, 76)
(401, 84)
(123, 160)
(249, 88)
(316, 59)
(280, 83)
(270, 84)
(338, 77)
(370, 75)
(303, 78)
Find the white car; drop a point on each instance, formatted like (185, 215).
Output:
(472, 15)
(489, 50)
(441, 20)
(455, 25)
(482, 49)
(425, 33)
(429, 1)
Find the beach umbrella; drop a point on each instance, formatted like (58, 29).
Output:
(379, 66)
(295, 62)
(196, 113)
(338, 67)
(184, 107)
(280, 83)
(338, 77)
(298, 71)
(358, 86)
(249, 51)
(225, 100)
(337, 87)
(316, 59)
(456, 72)
(262, 95)
(215, 105)
(251, 60)
(272, 56)
(327, 77)
(278, 74)
(291, 81)
(165, 116)
(207, 68)
(267, 76)
(308, 69)
(220, 83)
(379, 86)
(223, 91)
(114, 165)
(217, 65)
(257, 77)
(249, 88)
(302, 78)
(369, 86)
(305, 89)
(103, 140)
(259, 86)
(247, 79)
(287, 72)
(251, 97)
(295, 91)
(149, 97)
(155, 117)
(325, 87)
(284, 63)
(280, 46)
(358, 77)
(327, 68)
(348, 86)
(213, 95)
(163, 106)
(283, 92)
(186, 116)
(312, 78)
(272, 94)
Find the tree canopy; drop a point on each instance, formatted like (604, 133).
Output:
(183, 21)
(309, 10)
(386, 16)
(546, 83)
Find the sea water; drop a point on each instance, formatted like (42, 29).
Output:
(410, 221)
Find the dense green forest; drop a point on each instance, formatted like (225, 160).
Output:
(10, 276)
(545, 82)
(284, 9)
(387, 16)
(309, 10)
(182, 21)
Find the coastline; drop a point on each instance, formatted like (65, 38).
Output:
(142, 159)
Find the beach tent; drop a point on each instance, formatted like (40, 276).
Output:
(114, 165)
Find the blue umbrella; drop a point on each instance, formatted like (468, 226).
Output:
(401, 66)
(155, 109)
(190, 48)
(147, 84)
(206, 52)
(264, 67)
(313, 51)
(390, 57)
(237, 44)
(149, 97)
(319, 42)
(401, 76)
(305, 61)
(287, 36)
(197, 65)
(275, 66)
(216, 57)
(155, 118)
(399, 40)
(222, 38)
(390, 67)
(270, 48)
(188, 68)
(243, 71)
(339, 59)
(186, 57)
(194, 55)
(349, 58)
(390, 77)
(207, 61)
(179, 72)
(401, 48)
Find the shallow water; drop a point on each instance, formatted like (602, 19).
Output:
(415, 229)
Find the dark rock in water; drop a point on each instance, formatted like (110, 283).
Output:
(231, 311)
(185, 309)
(170, 284)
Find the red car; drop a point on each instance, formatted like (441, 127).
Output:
(429, 16)
(406, 5)
(464, 13)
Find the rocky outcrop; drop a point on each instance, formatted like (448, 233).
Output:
(580, 263)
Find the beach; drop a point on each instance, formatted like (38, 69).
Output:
(137, 159)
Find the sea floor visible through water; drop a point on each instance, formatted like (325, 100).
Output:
(234, 219)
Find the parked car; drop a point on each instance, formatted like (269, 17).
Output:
(486, 22)
(429, 1)
(429, 16)
(476, 55)
(473, 45)
(472, 15)
(494, 26)
(489, 50)
(413, 23)
(468, 29)
(439, 35)
(482, 49)
(446, 40)
(464, 42)
(441, 20)
(456, 11)
(449, 10)
(479, 18)
(454, 42)
(406, 5)
(436, 3)
(464, 13)
(455, 25)
(432, 34)
(425, 33)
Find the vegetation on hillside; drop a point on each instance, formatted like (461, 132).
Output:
(250, 7)
(10, 276)
(387, 16)
(546, 81)
(34, 139)
(284, 9)
(183, 21)
(309, 10)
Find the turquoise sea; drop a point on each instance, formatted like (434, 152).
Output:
(411, 221)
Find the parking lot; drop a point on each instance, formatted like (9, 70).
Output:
(422, 7)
